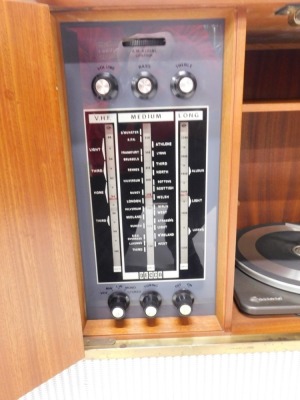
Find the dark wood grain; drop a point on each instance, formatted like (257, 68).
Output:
(272, 75)
(269, 188)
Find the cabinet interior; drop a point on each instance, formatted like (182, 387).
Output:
(269, 188)
(269, 182)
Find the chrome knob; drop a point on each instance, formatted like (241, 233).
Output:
(144, 85)
(183, 84)
(105, 86)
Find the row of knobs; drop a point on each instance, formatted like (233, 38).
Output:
(143, 85)
(118, 303)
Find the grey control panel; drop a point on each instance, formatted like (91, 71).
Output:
(144, 101)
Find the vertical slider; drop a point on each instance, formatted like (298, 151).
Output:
(183, 187)
(147, 150)
(113, 196)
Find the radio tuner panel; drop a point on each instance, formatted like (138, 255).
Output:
(144, 101)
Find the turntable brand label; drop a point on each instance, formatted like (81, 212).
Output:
(255, 299)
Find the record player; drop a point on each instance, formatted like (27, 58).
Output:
(267, 276)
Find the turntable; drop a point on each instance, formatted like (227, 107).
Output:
(267, 276)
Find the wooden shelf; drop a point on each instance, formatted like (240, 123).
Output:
(277, 324)
(271, 106)
(153, 328)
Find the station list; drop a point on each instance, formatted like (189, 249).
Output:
(147, 180)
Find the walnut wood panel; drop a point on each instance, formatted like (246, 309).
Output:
(254, 325)
(40, 322)
(272, 75)
(157, 3)
(265, 29)
(271, 106)
(269, 173)
(154, 328)
(61, 85)
(233, 92)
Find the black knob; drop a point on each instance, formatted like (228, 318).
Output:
(183, 84)
(150, 301)
(183, 300)
(144, 85)
(118, 303)
(105, 86)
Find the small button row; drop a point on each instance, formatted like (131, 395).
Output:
(150, 302)
(144, 85)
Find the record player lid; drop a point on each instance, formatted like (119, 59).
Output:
(271, 254)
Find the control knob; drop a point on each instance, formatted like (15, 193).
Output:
(183, 84)
(150, 301)
(105, 86)
(118, 303)
(183, 300)
(144, 85)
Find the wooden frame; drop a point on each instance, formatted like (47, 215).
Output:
(42, 298)
(40, 331)
(233, 69)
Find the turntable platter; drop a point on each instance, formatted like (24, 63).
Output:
(271, 254)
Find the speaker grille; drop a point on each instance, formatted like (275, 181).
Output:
(258, 376)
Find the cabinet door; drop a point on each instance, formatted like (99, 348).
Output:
(40, 330)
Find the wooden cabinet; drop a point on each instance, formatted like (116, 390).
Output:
(234, 42)
(41, 331)
(41, 301)
(269, 187)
